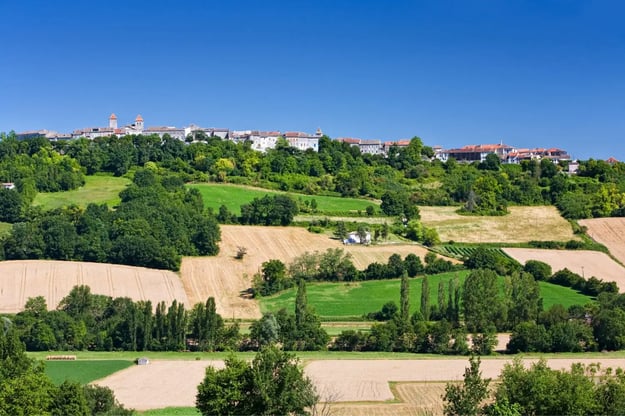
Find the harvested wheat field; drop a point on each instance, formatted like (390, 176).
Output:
(22, 279)
(225, 277)
(521, 225)
(610, 232)
(583, 262)
(356, 386)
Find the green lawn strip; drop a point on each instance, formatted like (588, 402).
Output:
(565, 296)
(171, 411)
(84, 371)
(5, 228)
(346, 300)
(233, 196)
(98, 189)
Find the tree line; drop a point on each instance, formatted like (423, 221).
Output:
(537, 390)
(409, 173)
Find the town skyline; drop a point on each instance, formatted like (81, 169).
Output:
(451, 73)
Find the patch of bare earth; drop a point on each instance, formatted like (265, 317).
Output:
(610, 232)
(583, 262)
(225, 277)
(22, 279)
(355, 387)
(522, 224)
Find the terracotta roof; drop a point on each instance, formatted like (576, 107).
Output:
(113, 117)
(612, 160)
(349, 140)
(139, 118)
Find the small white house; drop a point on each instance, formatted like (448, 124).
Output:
(354, 238)
(8, 185)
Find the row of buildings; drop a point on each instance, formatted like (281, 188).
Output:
(264, 140)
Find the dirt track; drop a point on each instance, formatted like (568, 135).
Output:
(21, 279)
(151, 386)
(225, 277)
(583, 262)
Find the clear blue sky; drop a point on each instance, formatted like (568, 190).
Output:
(529, 72)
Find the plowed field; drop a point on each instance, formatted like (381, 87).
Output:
(225, 277)
(356, 387)
(21, 279)
(610, 232)
(583, 262)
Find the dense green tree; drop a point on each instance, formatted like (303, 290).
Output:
(272, 384)
(10, 205)
(540, 270)
(404, 296)
(467, 398)
(525, 300)
(425, 298)
(413, 264)
(482, 302)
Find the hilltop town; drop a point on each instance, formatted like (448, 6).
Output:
(264, 140)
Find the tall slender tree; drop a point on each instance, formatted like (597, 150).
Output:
(425, 298)
(404, 295)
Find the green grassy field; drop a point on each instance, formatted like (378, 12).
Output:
(97, 189)
(347, 300)
(5, 228)
(233, 196)
(84, 371)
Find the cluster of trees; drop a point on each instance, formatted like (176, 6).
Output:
(269, 210)
(592, 327)
(272, 384)
(300, 331)
(158, 221)
(33, 166)
(25, 389)
(86, 321)
(538, 390)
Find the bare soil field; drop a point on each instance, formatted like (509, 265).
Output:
(22, 279)
(610, 232)
(225, 277)
(355, 386)
(521, 225)
(583, 262)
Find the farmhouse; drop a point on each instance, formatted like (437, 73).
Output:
(354, 238)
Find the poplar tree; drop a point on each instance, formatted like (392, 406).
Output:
(404, 295)
(425, 299)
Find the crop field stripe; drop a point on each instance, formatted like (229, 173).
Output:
(83, 371)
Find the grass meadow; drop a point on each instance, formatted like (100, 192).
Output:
(84, 371)
(233, 196)
(350, 300)
(5, 228)
(98, 189)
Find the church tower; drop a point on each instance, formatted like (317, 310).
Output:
(139, 122)
(113, 121)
